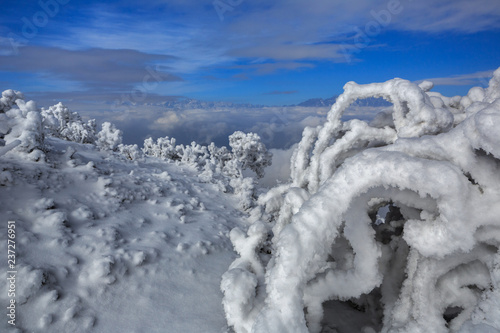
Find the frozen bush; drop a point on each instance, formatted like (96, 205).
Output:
(219, 157)
(164, 148)
(219, 165)
(429, 265)
(249, 152)
(60, 122)
(109, 138)
(21, 126)
(9, 98)
(195, 154)
(131, 152)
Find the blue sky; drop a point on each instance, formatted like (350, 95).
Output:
(264, 52)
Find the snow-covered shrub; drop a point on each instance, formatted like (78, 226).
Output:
(429, 264)
(109, 138)
(219, 156)
(219, 165)
(60, 122)
(195, 154)
(244, 189)
(9, 98)
(249, 152)
(131, 152)
(20, 126)
(214, 167)
(164, 148)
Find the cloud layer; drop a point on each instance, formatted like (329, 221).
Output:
(92, 68)
(278, 52)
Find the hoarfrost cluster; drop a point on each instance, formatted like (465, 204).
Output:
(387, 226)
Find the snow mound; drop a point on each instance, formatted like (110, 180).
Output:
(388, 226)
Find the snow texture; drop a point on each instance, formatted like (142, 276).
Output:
(106, 244)
(318, 259)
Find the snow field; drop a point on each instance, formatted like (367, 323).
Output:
(105, 244)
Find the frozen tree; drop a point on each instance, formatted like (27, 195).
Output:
(109, 138)
(9, 98)
(164, 148)
(60, 122)
(219, 157)
(20, 126)
(195, 154)
(131, 152)
(430, 264)
(249, 152)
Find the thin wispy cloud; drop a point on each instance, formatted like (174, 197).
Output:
(477, 78)
(277, 92)
(266, 68)
(450, 15)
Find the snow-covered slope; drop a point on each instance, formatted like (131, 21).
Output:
(104, 244)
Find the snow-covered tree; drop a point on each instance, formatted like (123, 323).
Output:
(109, 138)
(195, 154)
(60, 122)
(399, 217)
(9, 98)
(164, 148)
(131, 152)
(20, 126)
(249, 152)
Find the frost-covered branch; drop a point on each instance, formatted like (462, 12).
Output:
(429, 264)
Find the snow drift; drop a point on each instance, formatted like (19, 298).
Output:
(390, 226)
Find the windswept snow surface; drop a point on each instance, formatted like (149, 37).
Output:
(106, 244)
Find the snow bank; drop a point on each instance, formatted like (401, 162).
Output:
(317, 253)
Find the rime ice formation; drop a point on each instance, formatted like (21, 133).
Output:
(389, 226)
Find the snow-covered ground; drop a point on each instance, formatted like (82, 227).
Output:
(104, 244)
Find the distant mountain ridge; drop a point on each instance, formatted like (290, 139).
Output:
(191, 103)
(318, 102)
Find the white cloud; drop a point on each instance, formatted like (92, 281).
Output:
(449, 15)
(481, 78)
(279, 171)
(281, 34)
